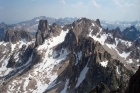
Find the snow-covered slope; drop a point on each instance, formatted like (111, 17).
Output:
(11, 50)
(70, 59)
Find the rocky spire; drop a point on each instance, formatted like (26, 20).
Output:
(43, 29)
(98, 22)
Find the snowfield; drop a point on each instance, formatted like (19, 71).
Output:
(42, 73)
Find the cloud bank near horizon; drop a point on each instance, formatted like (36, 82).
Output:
(13, 11)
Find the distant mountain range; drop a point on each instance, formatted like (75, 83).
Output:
(32, 25)
(121, 24)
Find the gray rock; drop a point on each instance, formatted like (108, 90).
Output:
(15, 36)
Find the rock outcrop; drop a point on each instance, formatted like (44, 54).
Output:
(46, 31)
(132, 33)
(15, 36)
(81, 57)
(134, 83)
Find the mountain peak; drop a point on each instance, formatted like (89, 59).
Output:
(2, 24)
(98, 22)
(132, 33)
(65, 59)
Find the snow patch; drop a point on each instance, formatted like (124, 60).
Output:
(124, 54)
(104, 63)
(52, 85)
(111, 46)
(40, 87)
(54, 41)
(93, 24)
(82, 75)
(100, 39)
(1, 43)
(130, 61)
(118, 70)
(138, 60)
(138, 65)
(117, 41)
(3, 69)
(127, 43)
(26, 83)
(78, 57)
(61, 57)
(66, 86)
(13, 46)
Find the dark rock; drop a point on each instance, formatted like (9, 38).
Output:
(98, 22)
(117, 33)
(11, 63)
(15, 36)
(134, 83)
(43, 30)
(46, 31)
(2, 33)
(109, 40)
(70, 40)
(82, 26)
(55, 29)
(132, 33)
(102, 88)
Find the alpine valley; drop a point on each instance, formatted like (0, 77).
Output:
(79, 56)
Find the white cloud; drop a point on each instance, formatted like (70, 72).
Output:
(129, 5)
(79, 5)
(117, 2)
(125, 3)
(95, 4)
(63, 1)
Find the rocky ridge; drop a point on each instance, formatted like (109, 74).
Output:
(132, 33)
(72, 59)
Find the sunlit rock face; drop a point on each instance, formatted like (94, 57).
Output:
(81, 57)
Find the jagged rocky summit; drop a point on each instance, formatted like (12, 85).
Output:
(75, 58)
(132, 33)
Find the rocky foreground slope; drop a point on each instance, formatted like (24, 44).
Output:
(75, 58)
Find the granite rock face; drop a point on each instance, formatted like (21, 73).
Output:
(81, 57)
(93, 54)
(46, 31)
(15, 36)
(43, 29)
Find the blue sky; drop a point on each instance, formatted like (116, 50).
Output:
(13, 11)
